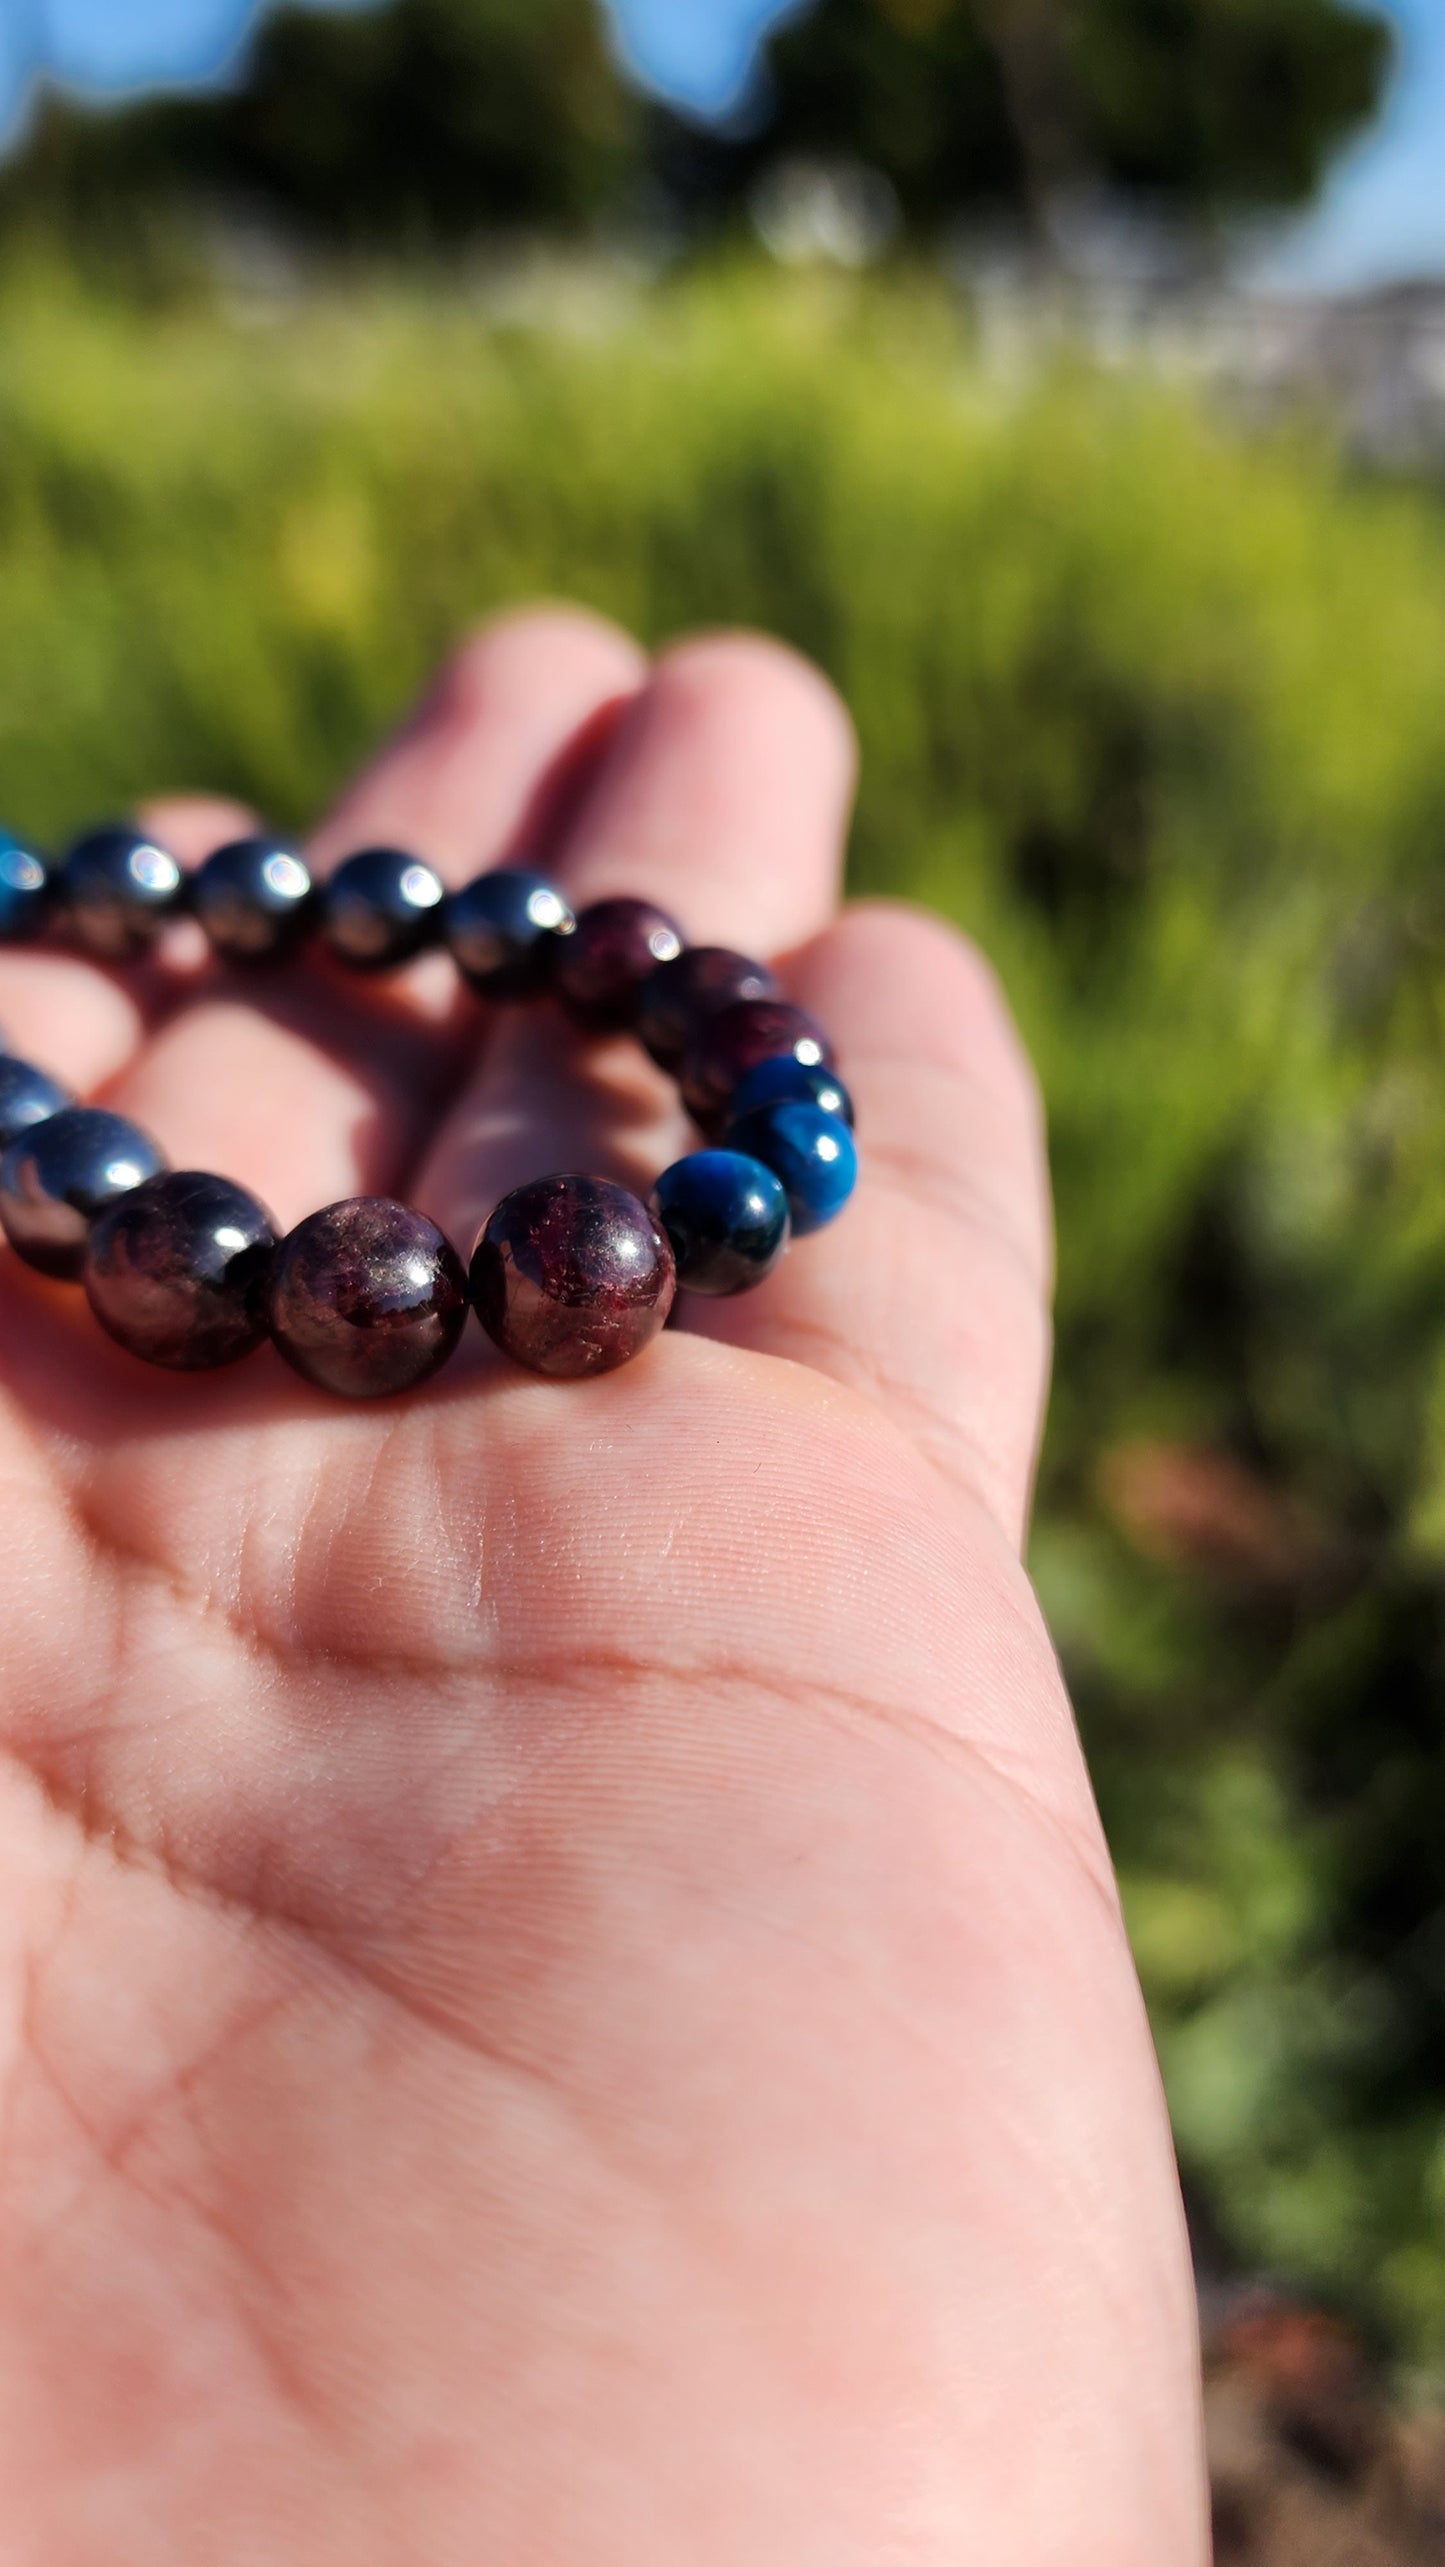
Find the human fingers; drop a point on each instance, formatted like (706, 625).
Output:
(492, 754)
(192, 824)
(723, 795)
(306, 1088)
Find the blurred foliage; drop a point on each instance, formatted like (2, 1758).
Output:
(413, 125)
(1156, 713)
(1199, 106)
(426, 122)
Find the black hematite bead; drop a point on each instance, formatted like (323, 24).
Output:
(255, 900)
(677, 997)
(177, 1271)
(60, 1173)
(380, 908)
(25, 890)
(734, 1041)
(367, 1297)
(504, 931)
(27, 1096)
(600, 970)
(572, 1275)
(120, 889)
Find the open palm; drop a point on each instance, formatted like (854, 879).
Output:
(563, 1998)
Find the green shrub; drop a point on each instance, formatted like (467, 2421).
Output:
(1158, 713)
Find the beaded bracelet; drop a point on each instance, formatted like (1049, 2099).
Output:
(571, 1274)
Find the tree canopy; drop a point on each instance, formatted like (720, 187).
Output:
(415, 124)
(424, 122)
(1204, 106)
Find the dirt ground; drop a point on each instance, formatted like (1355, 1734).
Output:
(1310, 2465)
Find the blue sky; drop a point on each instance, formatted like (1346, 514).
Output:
(1383, 214)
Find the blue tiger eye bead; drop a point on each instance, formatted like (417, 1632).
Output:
(813, 1153)
(380, 908)
(24, 890)
(120, 890)
(504, 931)
(726, 1217)
(784, 1080)
(60, 1173)
(255, 900)
(27, 1096)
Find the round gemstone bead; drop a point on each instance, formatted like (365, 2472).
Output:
(676, 997)
(733, 1042)
(380, 908)
(783, 1079)
(812, 1152)
(27, 1096)
(24, 890)
(177, 1271)
(601, 968)
(504, 931)
(255, 900)
(367, 1297)
(572, 1275)
(726, 1219)
(57, 1176)
(120, 890)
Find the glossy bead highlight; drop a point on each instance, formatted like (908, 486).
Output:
(602, 967)
(380, 908)
(572, 1275)
(783, 1080)
(120, 889)
(25, 890)
(177, 1271)
(677, 998)
(726, 1218)
(813, 1154)
(255, 900)
(504, 931)
(27, 1096)
(367, 1297)
(733, 1042)
(60, 1174)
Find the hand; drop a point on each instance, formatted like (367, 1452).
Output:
(564, 2000)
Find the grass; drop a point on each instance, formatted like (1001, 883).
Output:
(1156, 712)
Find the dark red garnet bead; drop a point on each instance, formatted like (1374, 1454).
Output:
(731, 1043)
(676, 998)
(599, 971)
(367, 1297)
(572, 1275)
(176, 1271)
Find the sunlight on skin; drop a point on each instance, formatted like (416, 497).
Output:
(563, 1995)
